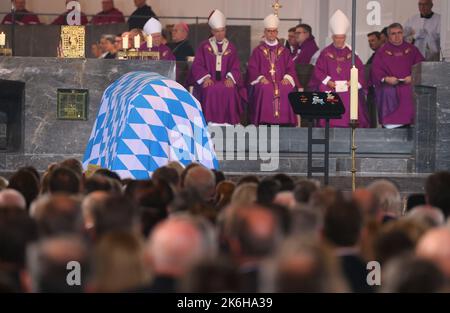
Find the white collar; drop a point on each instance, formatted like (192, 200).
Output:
(273, 44)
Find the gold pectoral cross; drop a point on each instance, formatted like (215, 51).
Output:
(272, 70)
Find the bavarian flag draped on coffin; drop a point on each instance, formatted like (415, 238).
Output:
(145, 121)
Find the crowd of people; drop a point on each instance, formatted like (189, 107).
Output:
(193, 230)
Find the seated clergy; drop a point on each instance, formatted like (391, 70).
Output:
(332, 71)
(391, 75)
(216, 70)
(153, 28)
(272, 76)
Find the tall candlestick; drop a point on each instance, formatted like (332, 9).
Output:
(137, 42)
(149, 41)
(2, 39)
(354, 94)
(125, 42)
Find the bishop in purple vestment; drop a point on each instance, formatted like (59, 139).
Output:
(153, 28)
(391, 75)
(333, 68)
(272, 76)
(217, 76)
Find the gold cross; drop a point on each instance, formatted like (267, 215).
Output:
(272, 70)
(276, 7)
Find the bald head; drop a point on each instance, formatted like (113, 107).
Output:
(202, 180)
(435, 246)
(12, 198)
(174, 247)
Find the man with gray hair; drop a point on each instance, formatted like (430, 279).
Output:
(174, 246)
(388, 198)
(424, 31)
(202, 180)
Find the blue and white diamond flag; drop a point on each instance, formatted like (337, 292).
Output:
(146, 121)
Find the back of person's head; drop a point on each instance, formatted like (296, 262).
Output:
(158, 195)
(367, 202)
(202, 180)
(224, 192)
(306, 266)
(108, 173)
(322, 199)
(12, 198)
(64, 180)
(409, 274)
(429, 216)
(342, 224)
(99, 183)
(437, 190)
(115, 214)
(390, 243)
(387, 196)
(49, 263)
(57, 215)
(435, 247)
(305, 222)
(286, 182)
(75, 165)
(17, 229)
(245, 195)
(32, 170)
(254, 232)
(135, 186)
(191, 202)
(267, 190)
(168, 175)
(185, 172)
(224, 272)
(26, 183)
(119, 263)
(174, 246)
(177, 166)
(247, 179)
(304, 189)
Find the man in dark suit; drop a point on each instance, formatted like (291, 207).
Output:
(142, 14)
(343, 223)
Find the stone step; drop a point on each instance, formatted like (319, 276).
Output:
(337, 164)
(295, 140)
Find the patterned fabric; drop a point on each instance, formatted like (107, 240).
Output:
(145, 121)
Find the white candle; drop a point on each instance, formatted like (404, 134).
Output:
(137, 42)
(125, 41)
(149, 41)
(354, 94)
(2, 39)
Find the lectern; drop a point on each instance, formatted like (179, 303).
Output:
(314, 106)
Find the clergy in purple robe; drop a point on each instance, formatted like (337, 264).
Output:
(272, 76)
(307, 45)
(217, 76)
(153, 28)
(333, 68)
(391, 75)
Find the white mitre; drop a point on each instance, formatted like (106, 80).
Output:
(153, 26)
(339, 23)
(217, 20)
(271, 22)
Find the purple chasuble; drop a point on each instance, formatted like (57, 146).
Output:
(335, 64)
